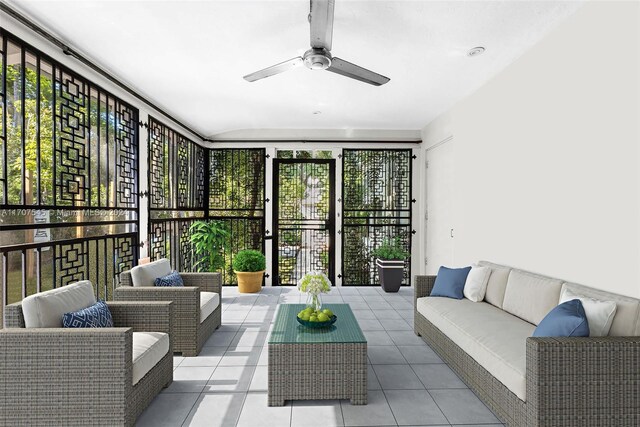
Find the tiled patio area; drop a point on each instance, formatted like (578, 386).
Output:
(226, 384)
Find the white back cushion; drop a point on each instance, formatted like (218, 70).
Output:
(497, 283)
(599, 313)
(626, 321)
(45, 310)
(146, 274)
(530, 296)
(476, 285)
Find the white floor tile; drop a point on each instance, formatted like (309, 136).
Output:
(226, 384)
(260, 379)
(256, 413)
(216, 410)
(241, 356)
(209, 356)
(327, 413)
(189, 379)
(168, 409)
(230, 378)
(375, 413)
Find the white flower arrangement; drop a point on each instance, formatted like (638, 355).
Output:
(314, 283)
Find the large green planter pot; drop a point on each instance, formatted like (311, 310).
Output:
(391, 273)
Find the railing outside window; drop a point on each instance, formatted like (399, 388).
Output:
(68, 176)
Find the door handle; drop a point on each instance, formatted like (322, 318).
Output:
(451, 232)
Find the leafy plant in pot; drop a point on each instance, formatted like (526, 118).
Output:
(390, 259)
(208, 239)
(249, 266)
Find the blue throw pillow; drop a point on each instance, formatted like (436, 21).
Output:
(171, 279)
(94, 316)
(566, 320)
(450, 282)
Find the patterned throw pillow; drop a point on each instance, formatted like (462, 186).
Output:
(94, 316)
(171, 279)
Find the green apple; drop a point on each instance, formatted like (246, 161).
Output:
(313, 319)
(323, 317)
(308, 310)
(328, 312)
(305, 317)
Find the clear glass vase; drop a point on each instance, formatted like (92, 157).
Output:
(314, 301)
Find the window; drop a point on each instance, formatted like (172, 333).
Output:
(68, 176)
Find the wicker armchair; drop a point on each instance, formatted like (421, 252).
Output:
(80, 376)
(190, 332)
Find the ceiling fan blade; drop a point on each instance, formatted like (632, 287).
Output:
(347, 69)
(321, 20)
(274, 69)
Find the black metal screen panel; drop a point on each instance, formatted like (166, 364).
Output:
(376, 206)
(176, 170)
(68, 176)
(177, 178)
(304, 212)
(236, 197)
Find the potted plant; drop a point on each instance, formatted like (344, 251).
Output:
(208, 239)
(249, 266)
(390, 259)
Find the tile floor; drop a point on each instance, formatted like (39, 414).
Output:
(226, 385)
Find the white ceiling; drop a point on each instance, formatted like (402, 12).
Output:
(190, 56)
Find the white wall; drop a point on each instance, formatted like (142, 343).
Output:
(547, 155)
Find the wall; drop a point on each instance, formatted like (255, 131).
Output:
(547, 159)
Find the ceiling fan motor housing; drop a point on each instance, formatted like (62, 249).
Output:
(317, 59)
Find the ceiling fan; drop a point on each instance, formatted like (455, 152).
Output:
(319, 56)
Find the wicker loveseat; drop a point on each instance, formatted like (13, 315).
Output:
(198, 305)
(535, 382)
(50, 375)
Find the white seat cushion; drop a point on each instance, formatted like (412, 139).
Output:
(146, 274)
(209, 301)
(492, 337)
(46, 309)
(148, 349)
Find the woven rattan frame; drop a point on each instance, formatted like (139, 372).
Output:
(570, 382)
(317, 371)
(189, 334)
(79, 377)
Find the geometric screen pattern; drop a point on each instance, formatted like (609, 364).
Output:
(69, 154)
(376, 208)
(304, 219)
(236, 199)
(176, 169)
(96, 146)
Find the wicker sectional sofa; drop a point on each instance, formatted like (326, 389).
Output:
(535, 382)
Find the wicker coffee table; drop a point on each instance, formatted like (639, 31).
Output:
(311, 364)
